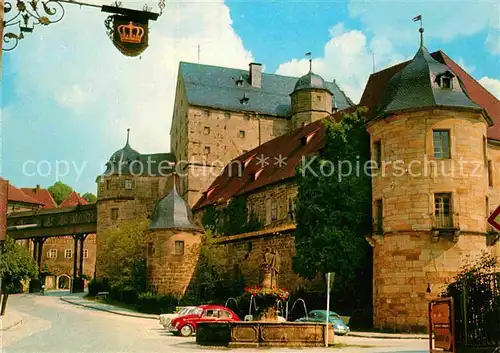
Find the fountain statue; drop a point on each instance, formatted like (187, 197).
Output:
(269, 294)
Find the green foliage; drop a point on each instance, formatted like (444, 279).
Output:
(334, 208)
(214, 281)
(151, 303)
(232, 219)
(124, 265)
(60, 191)
(89, 197)
(16, 264)
(97, 285)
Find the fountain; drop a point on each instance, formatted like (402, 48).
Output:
(293, 306)
(265, 329)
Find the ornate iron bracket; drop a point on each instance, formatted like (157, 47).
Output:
(22, 16)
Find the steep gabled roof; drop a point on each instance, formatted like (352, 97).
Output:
(216, 87)
(15, 195)
(269, 163)
(73, 199)
(42, 195)
(379, 81)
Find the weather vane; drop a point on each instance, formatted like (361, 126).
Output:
(309, 54)
(127, 28)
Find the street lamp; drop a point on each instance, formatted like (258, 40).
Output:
(127, 28)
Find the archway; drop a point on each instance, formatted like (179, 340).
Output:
(63, 282)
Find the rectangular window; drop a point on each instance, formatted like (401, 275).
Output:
(318, 98)
(274, 210)
(206, 112)
(490, 173)
(241, 134)
(85, 253)
(443, 210)
(246, 116)
(291, 209)
(114, 214)
(206, 150)
(227, 115)
(206, 130)
(487, 207)
(379, 214)
(446, 82)
(179, 247)
(108, 184)
(128, 184)
(441, 140)
(377, 153)
(68, 253)
(52, 254)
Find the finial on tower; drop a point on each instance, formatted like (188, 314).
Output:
(309, 54)
(128, 134)
(421, 29)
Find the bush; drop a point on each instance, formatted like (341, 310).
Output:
(95, 286)
(150, 303)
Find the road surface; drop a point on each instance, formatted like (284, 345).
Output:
(51, 325)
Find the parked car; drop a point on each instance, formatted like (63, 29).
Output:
(166, 318)
(339, 326)
(185, 325)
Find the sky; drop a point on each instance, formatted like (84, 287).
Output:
(68, 95)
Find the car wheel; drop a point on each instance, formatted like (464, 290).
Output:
(186, 330)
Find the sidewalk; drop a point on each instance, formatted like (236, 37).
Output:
(11, 319)
(77, 299)
(389, 335)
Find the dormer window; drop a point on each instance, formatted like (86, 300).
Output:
(254, 176)
(244, 99)
(239, 81)
(445, 80)
(307, 138)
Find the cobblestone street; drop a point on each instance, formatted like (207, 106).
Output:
(52, 325)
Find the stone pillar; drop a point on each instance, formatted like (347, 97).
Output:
(40, 253)
(35, 250)
(82, 239)
(75, 254)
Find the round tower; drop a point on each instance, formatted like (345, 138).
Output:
(130, 187)
(429, 190)
(174, 246)
(311, 100)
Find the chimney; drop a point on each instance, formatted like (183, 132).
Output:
(37, 191)
(255, 75)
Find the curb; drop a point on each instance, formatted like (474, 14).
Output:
(17, 323)
(382, 336)
(111, 311)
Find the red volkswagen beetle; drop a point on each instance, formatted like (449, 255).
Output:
(186, 325)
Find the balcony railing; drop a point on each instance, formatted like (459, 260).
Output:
(443, 221)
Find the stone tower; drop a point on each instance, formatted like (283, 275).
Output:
(429, 213)
(311, 100)
(174, 246)
(130, 187)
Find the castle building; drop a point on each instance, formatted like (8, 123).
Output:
(443, 130)
(130, 187)
(221, 113)
(173, 247)
(435, 136)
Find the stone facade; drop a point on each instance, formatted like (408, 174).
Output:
(204, 140)
(417, 248)
(172, 259)
(309, 106)
(122, 198)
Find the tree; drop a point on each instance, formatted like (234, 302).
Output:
(334, 206)
(125, 249)
(16, 264)
(89, 197)
(232, 219)
(60, 191)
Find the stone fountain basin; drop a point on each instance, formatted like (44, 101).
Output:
(245, 334)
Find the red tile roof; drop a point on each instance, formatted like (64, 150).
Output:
(290, 147)
(42, 195)
(15, 195)
(73, 199)
(378, 81)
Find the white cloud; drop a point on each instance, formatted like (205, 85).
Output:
(491, 85)
(348, 58)
(445, 20)
(78, 67)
